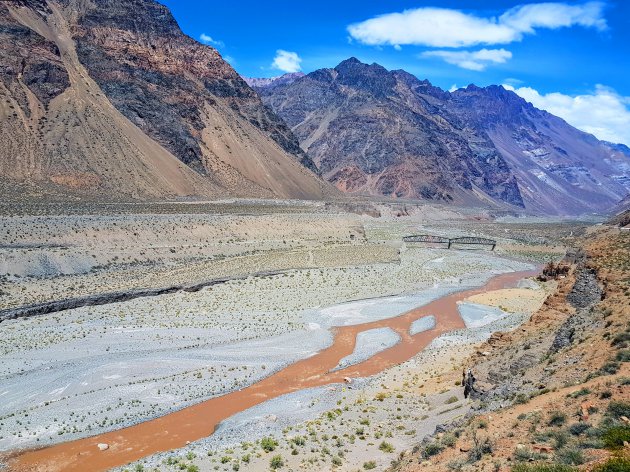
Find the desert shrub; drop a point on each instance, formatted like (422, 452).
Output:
(621, 339)
(591, 444)
(617, 409)
(448, 440)
(336, 461)
(457, 464)
(521, 399)
(369, 465)
(560, 438)
(480, 448)
(615, 436)
(579, 393)
(623, 356)
(614, 464)
(450, 400)
(386, 447)
(432, 449)
(268, 444)
(570, 456)
(578, 428)
(276, 462)
(525, 455)
(557, 418)
(610, 368)
(543, 468)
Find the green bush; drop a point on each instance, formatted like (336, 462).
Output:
(386, 447)
(617, 409)
(480, 448)
(614, 464)
(623, 356)
(570, 456)
(521, 399)
(448, 440)
(578, 428)
(557, 418)
(610, 368)
(432, 449)
(369, 465)
(543, 468)
(560, 438)
(276, 462)
(524, 455)
(450, 400)
(579, 393)
(614, 437)
(621, 339)
(268, 444)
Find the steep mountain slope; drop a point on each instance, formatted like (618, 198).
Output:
(382, 132)
(559, 168)
(112, 99)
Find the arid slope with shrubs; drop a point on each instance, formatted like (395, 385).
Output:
(554, 396)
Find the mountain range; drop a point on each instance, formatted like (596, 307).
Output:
(380, 132)
(111, 100)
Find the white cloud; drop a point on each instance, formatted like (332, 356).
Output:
(206, 39)
(604, 113)
(287, 61)
(442, 27)
(526, 18)
(472, 60)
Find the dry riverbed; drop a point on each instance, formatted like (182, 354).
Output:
(89, 370)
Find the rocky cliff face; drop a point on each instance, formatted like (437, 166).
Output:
(382, 132)
(101, 82)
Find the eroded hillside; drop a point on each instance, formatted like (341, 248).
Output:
(553, 395)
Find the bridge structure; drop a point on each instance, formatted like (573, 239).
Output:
(432, 239)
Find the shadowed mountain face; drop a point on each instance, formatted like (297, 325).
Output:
(111, 98)
(382, 132)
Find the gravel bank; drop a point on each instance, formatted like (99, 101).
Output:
(368, 344)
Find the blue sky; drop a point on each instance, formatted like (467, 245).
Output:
(569, 57)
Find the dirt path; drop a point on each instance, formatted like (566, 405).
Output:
(174, 430)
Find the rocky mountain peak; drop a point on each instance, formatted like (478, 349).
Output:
(372, 78)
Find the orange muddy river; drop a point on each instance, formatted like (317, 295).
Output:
(174, 430)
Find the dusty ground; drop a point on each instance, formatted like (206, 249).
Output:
(99, 368)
